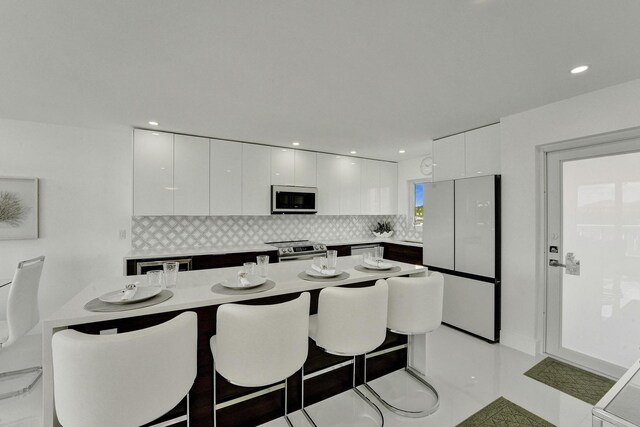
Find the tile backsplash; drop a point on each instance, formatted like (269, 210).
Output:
(162, 232)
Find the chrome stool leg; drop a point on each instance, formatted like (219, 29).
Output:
(7, 375)
(405, 412)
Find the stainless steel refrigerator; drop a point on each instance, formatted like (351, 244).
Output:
(461, 239)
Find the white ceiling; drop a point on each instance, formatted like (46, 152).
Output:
(337, 75)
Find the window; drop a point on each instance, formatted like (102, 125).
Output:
(416, 203)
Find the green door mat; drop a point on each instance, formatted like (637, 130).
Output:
(503, 413)
(576, 382)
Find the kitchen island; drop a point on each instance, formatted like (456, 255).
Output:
(194, 293)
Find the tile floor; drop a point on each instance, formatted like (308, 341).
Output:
(467, 372)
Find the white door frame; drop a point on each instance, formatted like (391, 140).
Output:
(542, 244)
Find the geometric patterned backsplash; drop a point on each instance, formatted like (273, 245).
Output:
(165, 232)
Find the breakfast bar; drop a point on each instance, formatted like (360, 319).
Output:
(200, 291)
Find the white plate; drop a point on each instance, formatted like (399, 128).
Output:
(313, 273)
(143, 293)
(381, 266)
(234, 284)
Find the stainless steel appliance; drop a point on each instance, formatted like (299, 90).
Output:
(298, 249)
(142, 267)
(362, 249)
(288, 199)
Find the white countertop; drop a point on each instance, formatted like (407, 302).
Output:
(194, 289)
(221, 250)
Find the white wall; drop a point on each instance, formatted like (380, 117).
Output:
(85, 199)
(409, 170)
(606, 110)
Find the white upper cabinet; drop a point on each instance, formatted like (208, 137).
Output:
(370, 187)
(256, 179)
(190, 175)
(388, 188)
(226, 178)
(328, 184)
(449, 158)
(282, 166)
(482, 148)
(152, 173)
(349, 185)
(305, 168)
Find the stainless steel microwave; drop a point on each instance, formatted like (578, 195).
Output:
(289, 199)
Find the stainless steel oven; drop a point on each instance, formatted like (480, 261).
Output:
(298, 249)
(142, 267)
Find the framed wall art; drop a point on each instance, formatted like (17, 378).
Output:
(18, 208)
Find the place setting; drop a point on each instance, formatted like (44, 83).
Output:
(374, 262)
(134, 295)
(323, 269)
(252, 278)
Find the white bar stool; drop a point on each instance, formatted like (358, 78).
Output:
(22, 315)
(127, 379)
(415, 307)
(350, 322)
(259, 345)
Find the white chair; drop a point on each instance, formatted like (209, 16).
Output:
(350, 322)
(22, 316)
(415, 307)
(259, 345)
(127, 379)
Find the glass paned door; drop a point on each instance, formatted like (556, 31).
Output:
(593, 256)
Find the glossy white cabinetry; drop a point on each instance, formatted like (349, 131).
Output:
(475, 226)
(470, 305)
(388, 188)
(349, 187)
(190, 175)
(282, 166)
(305, 168)
(328, 184)
(370, 187)
(152, 173)
(449, 158)
(438, 228)
(256, 179)
(482, 151)
(225, 178)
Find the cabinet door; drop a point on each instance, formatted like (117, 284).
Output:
(475, 225)
(282, 166)
(449, 158)
(482, 151)
(388, 188)
(370, 187)
(438, 227)
(349, 185)
(152, 173)
(305, 168)
(190, 175)
(328, 184)
(226, 178)
(256, 179)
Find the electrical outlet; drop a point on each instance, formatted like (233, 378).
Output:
(122, 234)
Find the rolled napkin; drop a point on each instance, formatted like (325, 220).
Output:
(242, 279)
(325, 271)
(372, 262)
(129, 291)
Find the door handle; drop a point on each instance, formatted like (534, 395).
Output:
(571, 264)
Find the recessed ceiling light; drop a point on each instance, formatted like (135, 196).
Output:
(337, 157)
(295, 143)
(155, 134)
(152, 123)
(579, 69)
(401, 151)
(353, 152)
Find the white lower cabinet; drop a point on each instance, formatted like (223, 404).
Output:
(225, 185)
(190, 175)
(152, 173)
(256, 179)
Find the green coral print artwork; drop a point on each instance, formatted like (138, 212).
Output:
(12, 209)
